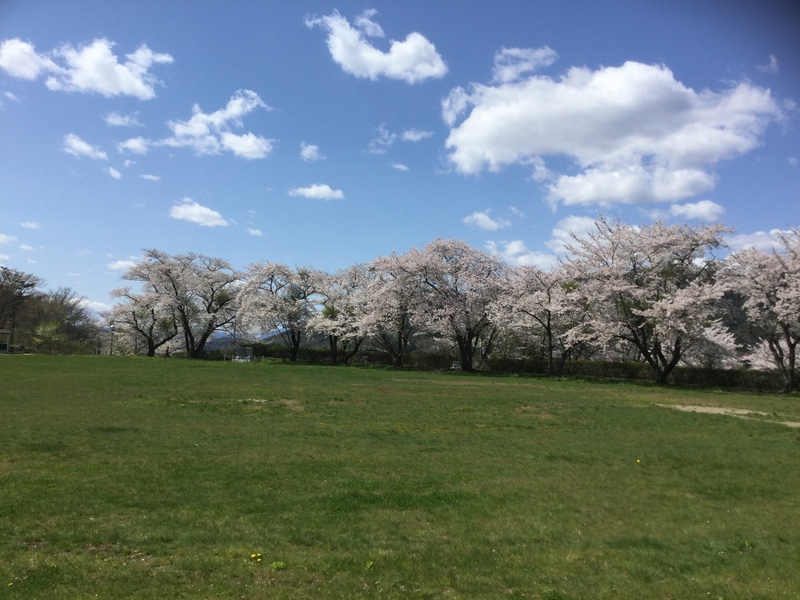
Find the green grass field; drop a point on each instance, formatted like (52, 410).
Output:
(153, 478)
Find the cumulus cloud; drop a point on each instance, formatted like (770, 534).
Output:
(90, 68)
(77, 147)
(149, 177)
(318, 191)
(400, 167)
(191, 211)
(517, 254)
(255, 232)
(31, 225)
(704, 210)
(761, 240)
(511, 63)
(209, 133)
(121, 265)
(561, 235)
(310, 152)
(7, 239)
(114, 173)
(634, 132)
(482, 220)
(413, 60)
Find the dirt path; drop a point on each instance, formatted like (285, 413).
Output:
(731, 412)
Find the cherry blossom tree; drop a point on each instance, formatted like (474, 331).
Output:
(200, 289)
(276, 299)
(770, 285)
(540, 303)
(389, 298)
(147, 316)
(455, 285)
(343, 297)
(651, 286)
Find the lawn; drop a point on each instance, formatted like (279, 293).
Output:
(164, 478)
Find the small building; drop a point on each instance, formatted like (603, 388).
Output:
(5, 341)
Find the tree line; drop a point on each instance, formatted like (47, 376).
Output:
(657, 294)
(54, 321)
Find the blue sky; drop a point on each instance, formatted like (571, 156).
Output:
(326, 134)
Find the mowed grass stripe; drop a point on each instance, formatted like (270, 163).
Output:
(128, 477)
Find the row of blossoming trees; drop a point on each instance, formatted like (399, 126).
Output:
(654, 293)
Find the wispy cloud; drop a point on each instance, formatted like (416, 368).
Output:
(118, 120)
(77, 147)
(771, 66)
(416, 135)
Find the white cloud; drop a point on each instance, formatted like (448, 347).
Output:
(210, 133)
(95, 306)
(191, 211)
(517, 254)
(118, 120)
(31, 225)
(91, 68)
(771, 66)
(310, 152)
(635, 133)
(415, 135)
(137, 145)
(121, 265)
(792, 160)
(383, 142)
(482, 220)
(511, 63)
(149, 177)
(412, 60)
(21, 60)
(761, 240)
(77, 147)
(255, 232)
(7, 239)
(247, 145)
(704, 210)
(114, 173)
(561, 235)
(27, 248)
(11, 96)
(4, 256)
(365, 23)
(400, 167)
(318, 191)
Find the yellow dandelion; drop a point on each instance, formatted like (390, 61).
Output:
(252, 556)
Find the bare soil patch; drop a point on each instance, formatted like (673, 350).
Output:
(740, 413)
